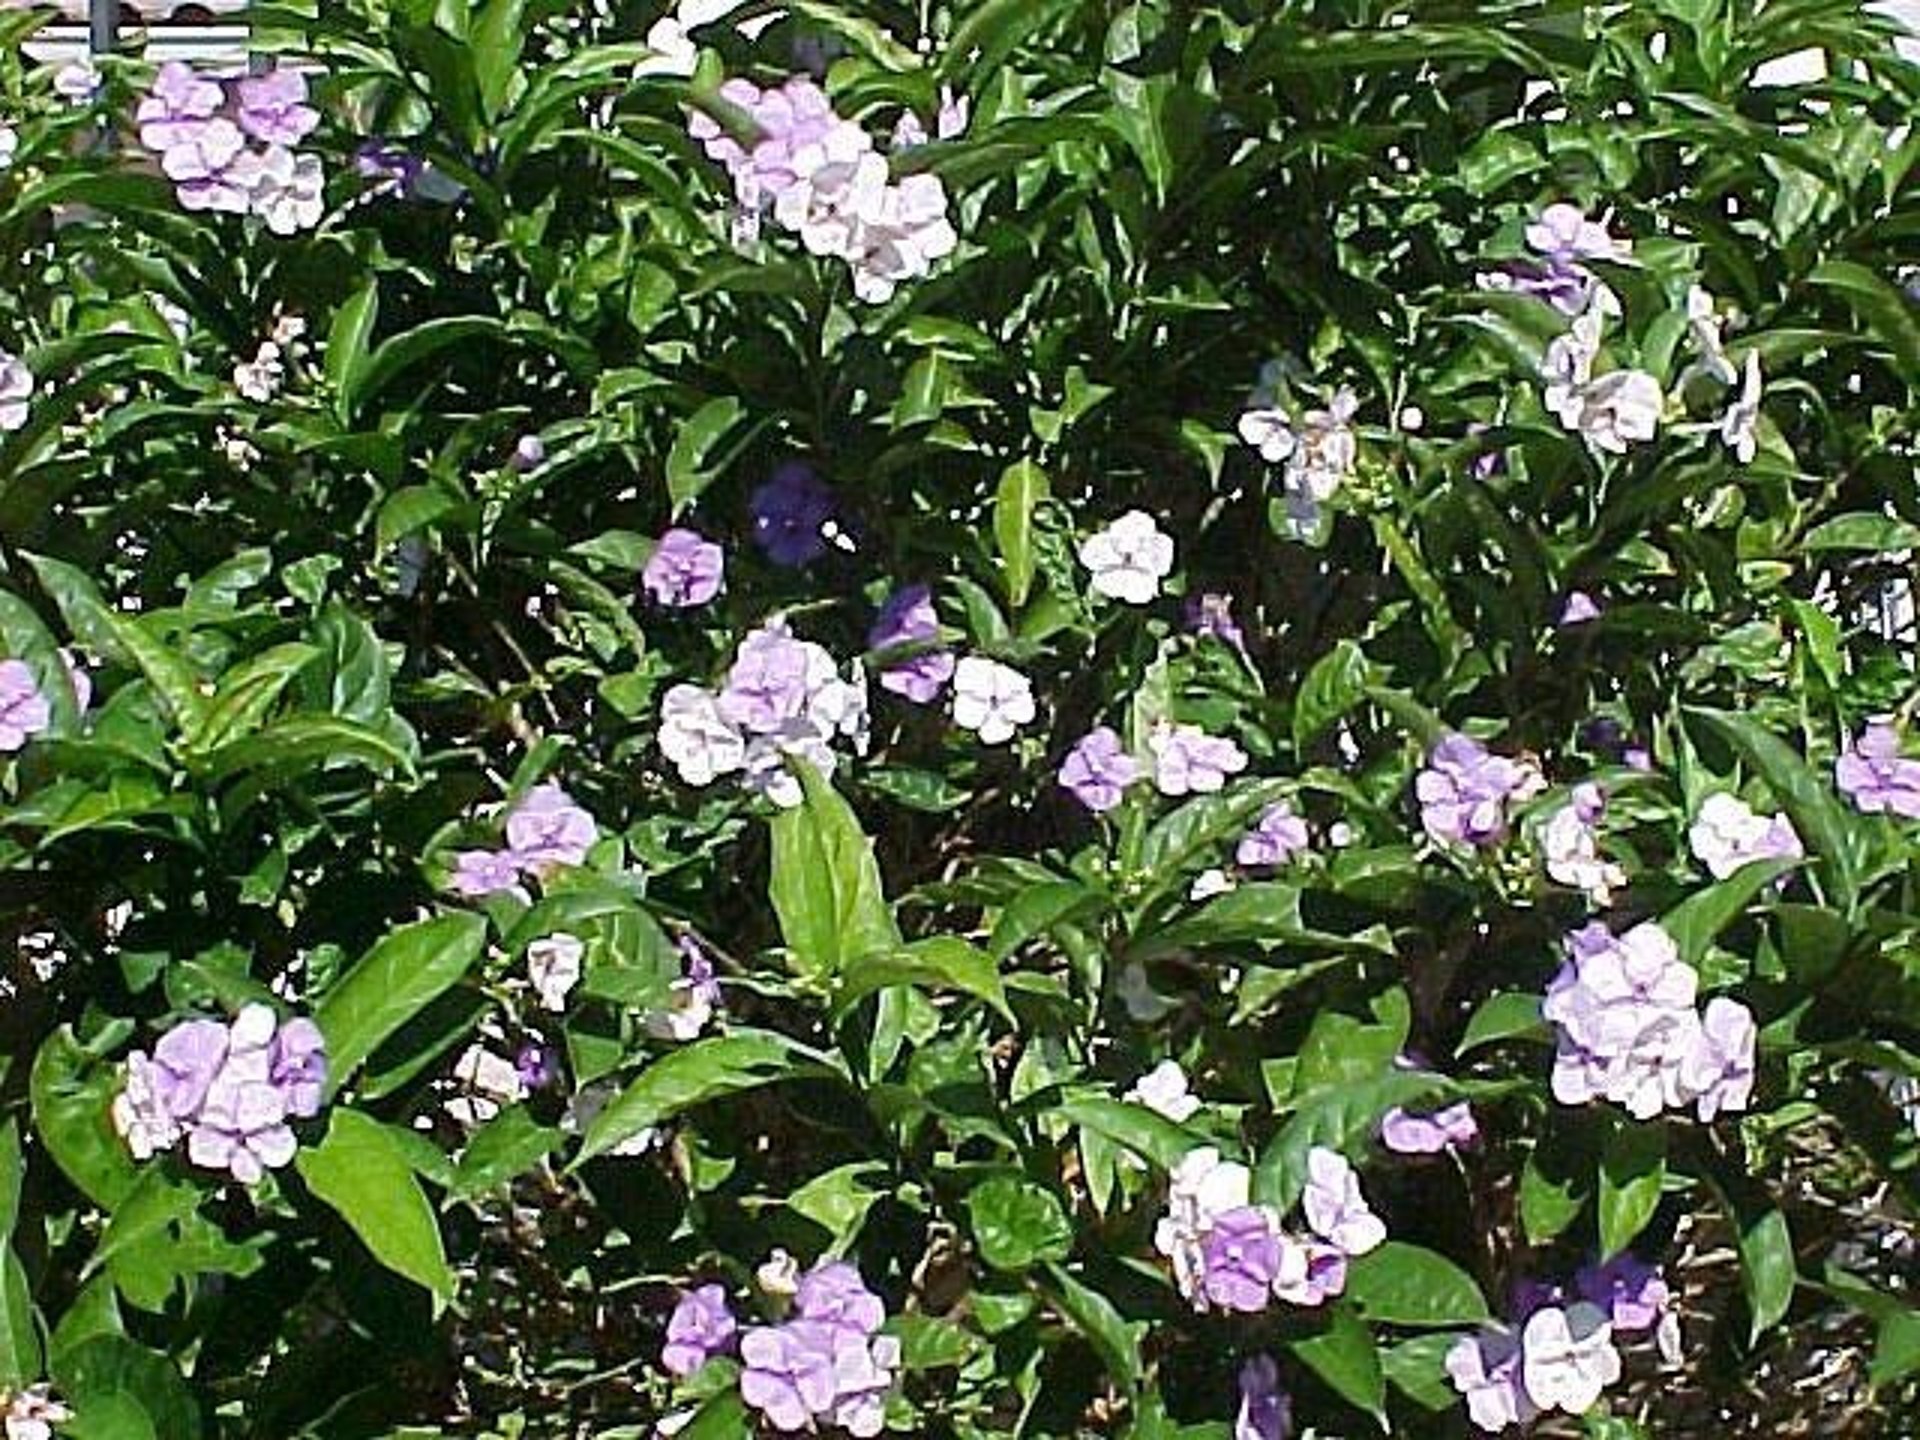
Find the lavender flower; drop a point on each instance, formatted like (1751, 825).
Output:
(1336, 1211)
(1098, 770)
(908, 618)
(1876, 777)
(1570, 844)
(273, 107)
(835, 1296)
(1278, 837)
(24, 710)
(1727, 835)
(684, 570)
(700, 1328)
(1188, 761)
(479, 873)
(553, 967)
(691, 1000)
(203, 164)
(1265, 1411)
(546, 830)
(789, 513)
(1580, 607)
(174, 107)
(1241, 1256)
(297, 1066)
(1485, 1368)
(1450, 1128)
(828, 1363)
(1211, 613)
(1465, 792)
(1164, 1091)
(1633, 1293)
(788, 1375)
(31, 1414)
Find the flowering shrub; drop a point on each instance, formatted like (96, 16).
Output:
(1000, 719)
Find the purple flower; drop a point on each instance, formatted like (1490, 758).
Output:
(1312, 1273)
(789, 512)
(537, 1066)
(684, 570)
(1098, 770)
(1211, 613)
(1876, 777)
(297, 1065)
(479, 873)
(1563, 234)
(789, 120)
(273, 107)
(187, 1059)
(1277, 837)
(1580, 608)
(788, 1375)
(1632, 1292)
(1485, 1368)
(1242, 1258)
(834, 1295)
(769, 682)
(203, 163)
(24, 711)
(529, 453)
(547, 830)
(700, 1328)
(908, 618)
(1265, 1411)
(1464, 791)
(397, 171)
(1452, 1128)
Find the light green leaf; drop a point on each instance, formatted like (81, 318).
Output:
(1402, 1284)
(393, 982)
(702, 1071)
(825, 883)
(362, 1172)
(1023, 485)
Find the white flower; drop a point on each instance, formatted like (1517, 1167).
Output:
(836, 180)
(1739, 426)
(673, 52)
(260, 378)
(139, 1117)
(1327, 448)
(1567, 1357)
(766, 771)
(488, 1082)
(16, 391)
(688, 1010)
(1266, 430)
(9, 145)
(284, 189)
(77, 82)
(1568, 366)
(553, 965)
(695, 737)
(1336, 1211)
(1188, 761)
(1728, 834)
(1129, 558)
(1163, 1090)
(778, 1277)
(1705, 325)
(32, 1413)
(1570, 841)
(1209, 883)
(991, 699)
(901, 232)
(1619, 408)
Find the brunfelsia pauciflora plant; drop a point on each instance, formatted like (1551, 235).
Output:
(997, 720)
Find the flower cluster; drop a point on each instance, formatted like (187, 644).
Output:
(545, 832)
(825, 1364)
(1562, 1356)
(230, 1090)
(824, 181)
(1628, 1031)
(201, 129)
(1182, 759)
(1466, 792)
(1727, 834)
(1230, 1254)
(783, 696)
(1876, 777)
(1317, 454)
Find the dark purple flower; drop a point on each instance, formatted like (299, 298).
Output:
(700, 1328)
(1098, 770)
(908, 618)
(1242, 1257)
(1876, 777)
(835, 1296)
(685, 569)
(1265, 1411)
(1633, 1293)
(537, 1066)
(1211, 613)
(789, 512)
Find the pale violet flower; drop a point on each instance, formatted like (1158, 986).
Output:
(1567, 1357)
(1188, 761)
(1570, 843)
(836, 178)
(1568, 366)
(1705, 324)
(1209, 883)
(1563, 233)
(1717, 1072)
(1266, 429)
(31, 1414)
(77, 82)
(1739, 427)
(1201, 1188)
(553, 966)
(1336, 1211)
(1618, 409)
(487, 1082)
(1129, 558)
(9, 145)
(283, 188)
(991, 699)
(1326, 450)
(1163, 1090)
(1485, 1369)
(16, 391)
(901, 233)
(1728, 834)
(696, 739)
